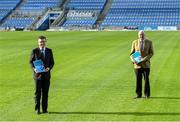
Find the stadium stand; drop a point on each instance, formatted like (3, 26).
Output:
(86, 4)
(143, 13)
(81, 18)
(18, 22)
(90, 13)
(29, 12)
(6, 7)
(39, 5)
(83, 12)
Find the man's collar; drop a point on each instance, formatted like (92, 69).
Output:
(142, 40)
(41, 48)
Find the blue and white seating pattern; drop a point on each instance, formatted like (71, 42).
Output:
(85, 12)
(39, 5)
(30, 6)
(143, 13)
(79, 21)
(80, 18)
(3, 13)
(6, 6)
(86, 4)
(18, 22)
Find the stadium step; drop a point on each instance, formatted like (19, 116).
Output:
(64, 4)
(103, 13)
(40, 21)
(11, 12)
(20, 5)
(61, 19)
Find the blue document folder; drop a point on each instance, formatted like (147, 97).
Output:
(137, 57)
(39, 66)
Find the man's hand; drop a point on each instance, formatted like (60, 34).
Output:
(139, 63)
(37, 74)
(47, 69)
(35, 71)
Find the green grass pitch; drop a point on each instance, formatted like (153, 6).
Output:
(93, 78)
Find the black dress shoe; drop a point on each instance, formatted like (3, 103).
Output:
(147, 97)
(38, 112)
(45, 112)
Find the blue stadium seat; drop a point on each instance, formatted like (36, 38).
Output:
(40, 5)
(86, 12)
(18, 22)
(143, 13)
(6, 6)
(29, 6)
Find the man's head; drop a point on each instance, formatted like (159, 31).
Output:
(42, 41)
(141, 35)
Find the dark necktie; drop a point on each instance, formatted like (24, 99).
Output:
(141, 45)
(42, 53)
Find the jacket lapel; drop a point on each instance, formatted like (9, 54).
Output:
(46, 54)
(138, 45)
(38, 53)
(145, 44)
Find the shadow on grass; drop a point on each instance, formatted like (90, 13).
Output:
(126, 113)
(118, 113)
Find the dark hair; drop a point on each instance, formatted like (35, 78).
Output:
(42, 37)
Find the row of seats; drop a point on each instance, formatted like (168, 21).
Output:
(3, 13)
(18, 22)
(81, 18)
(143, 13)
(9, 6)
(86, 4)
(39, 5)
(80, 21)
(30, 6)
(6, 6)
(139, 24)
(86, 12)
(83, 12)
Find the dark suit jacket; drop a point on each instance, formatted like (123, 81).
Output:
(48, 61)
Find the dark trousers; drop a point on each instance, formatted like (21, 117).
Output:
(41, 90)
(142, 72)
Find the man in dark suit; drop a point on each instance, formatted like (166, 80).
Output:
(42, 80)
(145, 47)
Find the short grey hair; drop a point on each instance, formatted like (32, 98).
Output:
(141, 31)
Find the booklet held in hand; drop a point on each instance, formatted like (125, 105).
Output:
(39, 66)
(137, 57)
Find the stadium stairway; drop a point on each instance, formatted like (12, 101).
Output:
(48, 19)
(20, 5)
(103, 13)
(61, 19)
(51, 17)
(82, 14)
(64, 3)
(11, 11)
(42, 23)
(30, 12)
